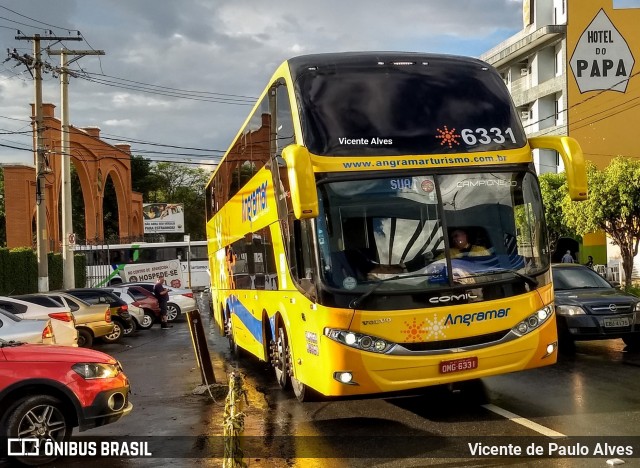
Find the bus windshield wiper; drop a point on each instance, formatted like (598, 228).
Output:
(354, 303)
(531, 281)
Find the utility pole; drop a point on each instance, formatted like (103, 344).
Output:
(68, 237)
(34, 65)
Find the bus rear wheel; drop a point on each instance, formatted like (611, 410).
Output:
(228, 331)
(280, 357)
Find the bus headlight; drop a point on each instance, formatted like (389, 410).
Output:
(533, 321)
(359, 340)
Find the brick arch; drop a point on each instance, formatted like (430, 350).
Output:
(90, 156)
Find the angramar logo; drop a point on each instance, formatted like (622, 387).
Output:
(602, 59)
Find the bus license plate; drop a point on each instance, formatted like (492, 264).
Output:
(457, 365)
(616, 322)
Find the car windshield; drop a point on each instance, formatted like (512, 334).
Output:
(577, 278)
(409, 228)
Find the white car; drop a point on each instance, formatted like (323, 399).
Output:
(181, 300)
(62, 321)
(137, 313)
(35, 331)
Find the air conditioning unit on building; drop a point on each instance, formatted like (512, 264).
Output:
(524, 71)
(524, 115)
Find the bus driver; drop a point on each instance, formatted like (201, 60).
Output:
(461, 247)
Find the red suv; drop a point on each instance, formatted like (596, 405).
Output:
(46, 391)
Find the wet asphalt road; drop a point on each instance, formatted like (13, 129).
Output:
(591, 397)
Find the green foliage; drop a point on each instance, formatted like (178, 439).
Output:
(635, 290)
(5, 273)
(143, 179)
(613, 206)
(554, 192)
(22, 266)
(3, 218)
(80, 270)
(180, 184)
(55, 271)
(19, 272)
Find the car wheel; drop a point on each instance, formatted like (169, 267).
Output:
(85, 338)
(116, 334)
(127, 331)
(173, 311)
(38, 417)
(147, 320)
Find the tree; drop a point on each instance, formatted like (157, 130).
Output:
(180, 184)
(613, 206)
(554, 191)
(3, 217)
(143, 178)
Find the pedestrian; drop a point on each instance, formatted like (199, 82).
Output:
(568, 258)
(162, 294)
(589, 262)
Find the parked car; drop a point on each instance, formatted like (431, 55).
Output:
(62, 321)
(181, 300)
(13, 328)
(92, 320)
(142, 299)
(123, 322)
(46, 391)
(588, 307)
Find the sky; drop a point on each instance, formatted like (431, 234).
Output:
(179, 78)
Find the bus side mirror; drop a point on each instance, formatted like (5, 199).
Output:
(302, 182)
(571, 154)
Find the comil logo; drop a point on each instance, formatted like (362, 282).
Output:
(23, 447)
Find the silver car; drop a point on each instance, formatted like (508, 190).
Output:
(35, 331)
(62, 320)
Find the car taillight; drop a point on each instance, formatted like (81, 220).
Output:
(124, 308)
(107, 316)
(47, 333)
(64, 316)
(188, 295)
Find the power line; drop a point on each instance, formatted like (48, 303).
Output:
(37, 21)
(251, 99)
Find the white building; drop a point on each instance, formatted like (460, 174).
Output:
(533, 65)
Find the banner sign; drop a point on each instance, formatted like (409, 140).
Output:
(163, 218)
(149, 272)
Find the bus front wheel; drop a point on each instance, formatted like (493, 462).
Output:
(303, 392)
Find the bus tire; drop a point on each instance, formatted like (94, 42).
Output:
(233, 346)
(280, 357)
(303, 392)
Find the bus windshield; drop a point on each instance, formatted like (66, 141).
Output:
(430, 231)
(403, 108)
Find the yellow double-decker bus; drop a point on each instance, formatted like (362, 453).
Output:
(377, 226)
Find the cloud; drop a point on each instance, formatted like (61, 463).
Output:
(229, 47)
